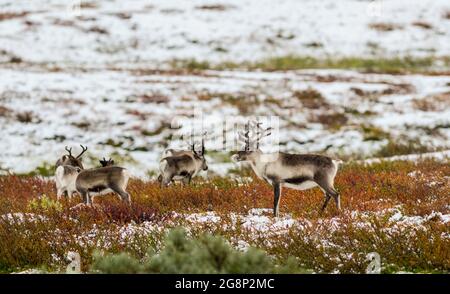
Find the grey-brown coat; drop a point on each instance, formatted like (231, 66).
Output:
(98, 181)
(297, 171)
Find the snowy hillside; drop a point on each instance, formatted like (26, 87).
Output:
(142, 31)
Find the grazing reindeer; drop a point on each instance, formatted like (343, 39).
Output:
(70, 159)
(103, 180)
(105, 162)
(174, 152)
(297, 171)
(182, 165)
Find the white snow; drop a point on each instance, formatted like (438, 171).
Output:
(106, 110)
(149, 32)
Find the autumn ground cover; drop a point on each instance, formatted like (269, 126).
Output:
(398, 209)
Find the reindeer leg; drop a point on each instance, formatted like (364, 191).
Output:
(122, 193)
(327, 187)
(86, 197)
(327, 199)
(276, 199)
(187, 180)
(59, 193)
(337, 199)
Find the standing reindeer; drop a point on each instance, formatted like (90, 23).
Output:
(65, 177)
(297, 171)
(182, 165)
(67, 168)
(103, 180)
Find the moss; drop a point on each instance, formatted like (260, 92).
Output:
(401, 148)
(372, 133)
(45, 169)
(397, 65)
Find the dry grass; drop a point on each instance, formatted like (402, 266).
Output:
(311, 98)
(385, 27)
(49, 229)
(422, 24)
(214, 7)
(437, 102)
(333, 120)
(446, 14)
(12, 15)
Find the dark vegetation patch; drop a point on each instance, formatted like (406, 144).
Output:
(437, 102)
(401, 146)
(332, 120)
(27, 117)
(385, 26)
(153, 98)
(215, 7)
(373, 133)
(311, 98)
(11, 15)
(423, 25)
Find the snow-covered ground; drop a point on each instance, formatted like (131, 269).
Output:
(128, 115)
(87, 76)
(143, 31)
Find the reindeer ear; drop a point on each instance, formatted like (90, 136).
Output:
(64, 157)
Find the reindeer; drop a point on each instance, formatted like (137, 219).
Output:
(103, 180)
(297, 171)
(173, 152)
(70, 159)
(67, 167)
(65, 177)
(182, 165)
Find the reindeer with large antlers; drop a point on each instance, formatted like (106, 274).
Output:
(67, 169)
(297, 171)
(182, 165)
(70, 159)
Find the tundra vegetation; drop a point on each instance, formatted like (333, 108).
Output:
(398, 209)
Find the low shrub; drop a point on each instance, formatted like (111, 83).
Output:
(206, 254)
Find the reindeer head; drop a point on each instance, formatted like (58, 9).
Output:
(105, 162)
(71, 160)
(250, 137)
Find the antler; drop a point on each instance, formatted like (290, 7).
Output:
(203, 143)
(69, 150)
(83, 150)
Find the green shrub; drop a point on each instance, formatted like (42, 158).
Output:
(44, 203)
(206, 254)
